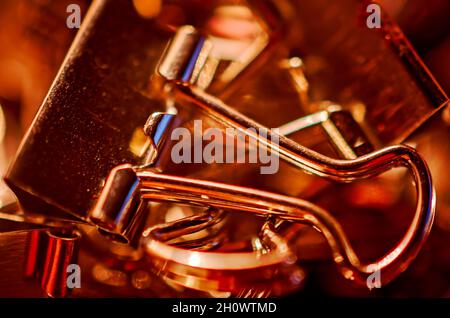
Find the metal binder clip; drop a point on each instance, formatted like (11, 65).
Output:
(102, 97)
(127, 186)
(148, 185)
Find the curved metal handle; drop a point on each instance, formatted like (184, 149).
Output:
(293, 153)
(160, 187)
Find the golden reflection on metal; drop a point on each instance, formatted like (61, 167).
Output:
(189, 247)
(182, 65)
(195, 58)
(331, 120)
(139, 143)
(159, 187)
(295, 67)
(48, 255)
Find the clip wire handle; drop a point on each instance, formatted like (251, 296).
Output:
(161, 187)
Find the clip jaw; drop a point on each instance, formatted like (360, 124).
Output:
(116, 210)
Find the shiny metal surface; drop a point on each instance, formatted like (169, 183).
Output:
(346, 100)
(159, 187)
